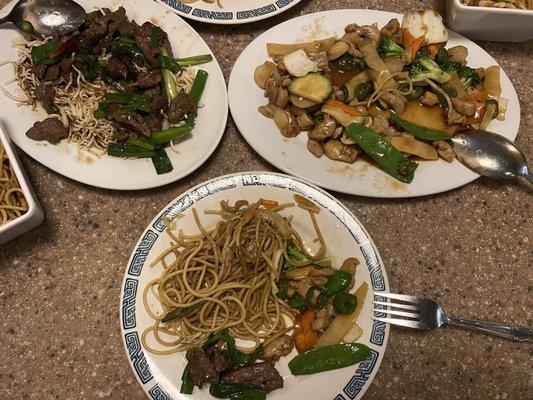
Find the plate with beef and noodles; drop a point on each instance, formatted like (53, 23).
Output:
(252, 286)
(132, 100)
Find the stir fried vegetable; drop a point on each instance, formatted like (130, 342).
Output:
(424, 67)
(419, 131)
(236, 391)
(388, 158)
(344, 303)
(329, 358)
(187, 385)
(388, 48)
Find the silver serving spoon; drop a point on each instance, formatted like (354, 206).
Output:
(46, 17)
(490, 154)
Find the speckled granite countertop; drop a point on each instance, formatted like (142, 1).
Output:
(470, 248)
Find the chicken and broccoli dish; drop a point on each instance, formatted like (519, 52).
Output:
(395, 94)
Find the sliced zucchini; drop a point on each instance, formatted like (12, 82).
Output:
(349, 87)
(313, 86)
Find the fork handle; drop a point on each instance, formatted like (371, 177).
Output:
(508, 331)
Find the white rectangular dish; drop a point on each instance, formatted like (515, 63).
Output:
(489, 23)
(34, 216)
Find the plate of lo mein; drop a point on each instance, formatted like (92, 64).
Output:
(253, 286)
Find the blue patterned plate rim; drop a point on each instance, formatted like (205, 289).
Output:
(212, 14)
(366, 371)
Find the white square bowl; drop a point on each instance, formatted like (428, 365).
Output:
(34, 216)
(489, 23)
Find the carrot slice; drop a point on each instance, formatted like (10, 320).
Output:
(411, 44)
(343, 107)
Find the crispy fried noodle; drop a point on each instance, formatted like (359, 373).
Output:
(13, 204)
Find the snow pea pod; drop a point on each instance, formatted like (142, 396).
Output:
(337, 282)
(329, 358)
(419, 131)
(391, 160)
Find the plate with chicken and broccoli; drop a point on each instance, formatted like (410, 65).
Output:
(132, 99)
(364, 102)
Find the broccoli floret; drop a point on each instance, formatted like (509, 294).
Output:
(388, 48)
(296, 256)
(468, 76)
(424, 67)
(363, 90)
(444, 62)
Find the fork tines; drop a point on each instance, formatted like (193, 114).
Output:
(410, 318)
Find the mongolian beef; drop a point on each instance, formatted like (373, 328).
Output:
(112, 86)
(394, 93)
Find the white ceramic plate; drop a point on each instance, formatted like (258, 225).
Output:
(360, 178)
(110, 172)
(229, 12)
(160, 376)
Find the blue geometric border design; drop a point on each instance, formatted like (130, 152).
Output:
(128, 303)
(361, 375)
(184, 8)
(379, 330)
(137, 356)
(157, 393)
(217, 15)
(139, 257)
(256, 12)
(283, 3)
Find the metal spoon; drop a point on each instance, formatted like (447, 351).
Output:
(46, 17)
(490, 154)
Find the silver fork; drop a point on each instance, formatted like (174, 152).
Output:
(426, 314)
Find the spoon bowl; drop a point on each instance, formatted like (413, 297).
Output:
(490, 154)
(46, 17)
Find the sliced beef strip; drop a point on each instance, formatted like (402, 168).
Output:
(51, 129)
(126, 28)
(181, 105)
(45, 93)
(39, 71)
(96, 30)
(158, 100)
(117, 68)
(149, 79)
(52, 72)
(66, 66)
(154, 121)
(261, 374)
(218, 359)
(114, 19)
(142, 37)
(135, 122)
(201, 369)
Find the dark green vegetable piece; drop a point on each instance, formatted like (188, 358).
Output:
(419, 131)
(315, 297)
(42, 54)
(468, 76)
(139, 142)
(362, 64)
(329, 358)
(154, 37)
(345, 63)
(231, 352)
(187, 385)
(386, 156)
(140, 103)
(364, 90)
(297, 302)
(337, 282)
(181, 312)
(26, 26)
(423, 67)
(236, 391)
(174, 133)
(283, 288)
(176, 64)
(197, 89)
(126, 46)
(161, 162)
(442, 59)
(344, 303)
(127, 150)
(388, 48)
(296, 256)
(417, 92)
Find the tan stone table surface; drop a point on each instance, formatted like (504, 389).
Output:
(470, 249)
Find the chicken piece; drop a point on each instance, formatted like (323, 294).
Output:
(392, 31)
(319, 280)
(455, 117)
(395, 100)
(323, 130)
(315, 147)
(274, 90)
(463, 107)
(305, 122)
(337, 133)
(324, 317)
(338, 151)
(278, 348)
(316, 271)
(444, 150)
(301, 286)
(379, 124)
(321, 59)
